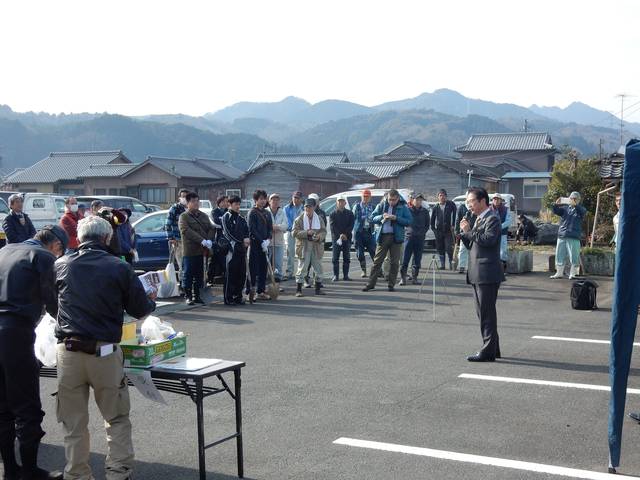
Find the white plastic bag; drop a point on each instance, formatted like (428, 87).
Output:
(154, 329)
(46, 342)
(170, 288)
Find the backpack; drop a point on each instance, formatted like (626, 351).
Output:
(583, 295)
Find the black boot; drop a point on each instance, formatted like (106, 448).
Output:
(196, 296)
(319, 289)
(298, 289)
(442, 262)
(30, 470)
(11, 467)
(188, 296)
(403, 276)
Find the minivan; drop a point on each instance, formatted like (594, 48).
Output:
(354, 196)
(43, 208)
(138, 209)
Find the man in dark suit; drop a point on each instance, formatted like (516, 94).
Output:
(443, 221)
(485, 271)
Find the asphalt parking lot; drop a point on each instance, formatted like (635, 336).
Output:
(374, 367)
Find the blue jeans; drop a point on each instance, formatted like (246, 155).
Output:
(336, 249)
(276, 255)
(365, 242)
(413, 247)
(192, 271)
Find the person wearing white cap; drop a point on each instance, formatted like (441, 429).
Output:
(498, 207)
(569, 235)
(280, 226)
(323, 215)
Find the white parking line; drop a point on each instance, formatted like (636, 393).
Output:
(478, 459)
(579, 340)
(583, 386)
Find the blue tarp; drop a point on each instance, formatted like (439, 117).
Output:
(626, 297)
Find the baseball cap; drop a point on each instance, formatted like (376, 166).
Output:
(310, 202)
(274, 195)
(314, 196)
(366, 192)
(297, 194)
(341, 197)
(498, 196)
(419, 196)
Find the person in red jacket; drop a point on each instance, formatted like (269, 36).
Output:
(69, 221)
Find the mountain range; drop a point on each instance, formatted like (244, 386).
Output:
(443, 118)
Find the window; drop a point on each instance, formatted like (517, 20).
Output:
(4, 208)
(122, 192)
(534, 188)
(233, 191)
(113, 191)
(99, 191)
(139, 207)
(60, 205)
(37, 203)
(153, 194)
(152, 223)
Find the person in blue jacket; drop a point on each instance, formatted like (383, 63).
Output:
(391, 216)
(569, 235)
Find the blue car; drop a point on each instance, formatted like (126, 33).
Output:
(151, 242)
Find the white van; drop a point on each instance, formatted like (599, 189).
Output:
(43, 208)
(509, 201)
(354, 196)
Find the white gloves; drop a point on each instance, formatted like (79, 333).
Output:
(339, 242)
(265, 245)
(207, 244)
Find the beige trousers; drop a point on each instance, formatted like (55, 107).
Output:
(77, 372)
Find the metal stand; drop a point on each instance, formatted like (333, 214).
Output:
(433, 270)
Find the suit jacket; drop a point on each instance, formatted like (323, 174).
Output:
(483, 242)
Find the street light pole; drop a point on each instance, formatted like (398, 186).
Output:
(469, 172)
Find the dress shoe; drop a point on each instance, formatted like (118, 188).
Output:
(335, 278)
(347, 279)
(635, 416)
(367, 288)
(478, 357)
(391, 288)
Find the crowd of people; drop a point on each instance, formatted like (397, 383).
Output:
(245, 254)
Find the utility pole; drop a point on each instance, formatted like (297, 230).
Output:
(469, 172)
(525, 126)
(622, 97)
(601, 142)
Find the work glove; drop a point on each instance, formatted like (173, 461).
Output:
(265, 245)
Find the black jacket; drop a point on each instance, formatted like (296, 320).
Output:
(94, 290)
(15, 231)
(216, 217)
(234, 227)
(341, 223)
(26, 284)
(442, 222)
(260, 225)
(483, 242)
(420, 223)
(321, 213)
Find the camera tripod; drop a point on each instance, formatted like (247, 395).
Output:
(433, 271)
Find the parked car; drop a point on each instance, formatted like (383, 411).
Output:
(43, 208)
(151, 241)
(4, 195)
(354, 196)
(206, 204)
(154, 208)
(138, 209)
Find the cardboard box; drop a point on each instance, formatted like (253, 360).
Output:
(148, 355)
